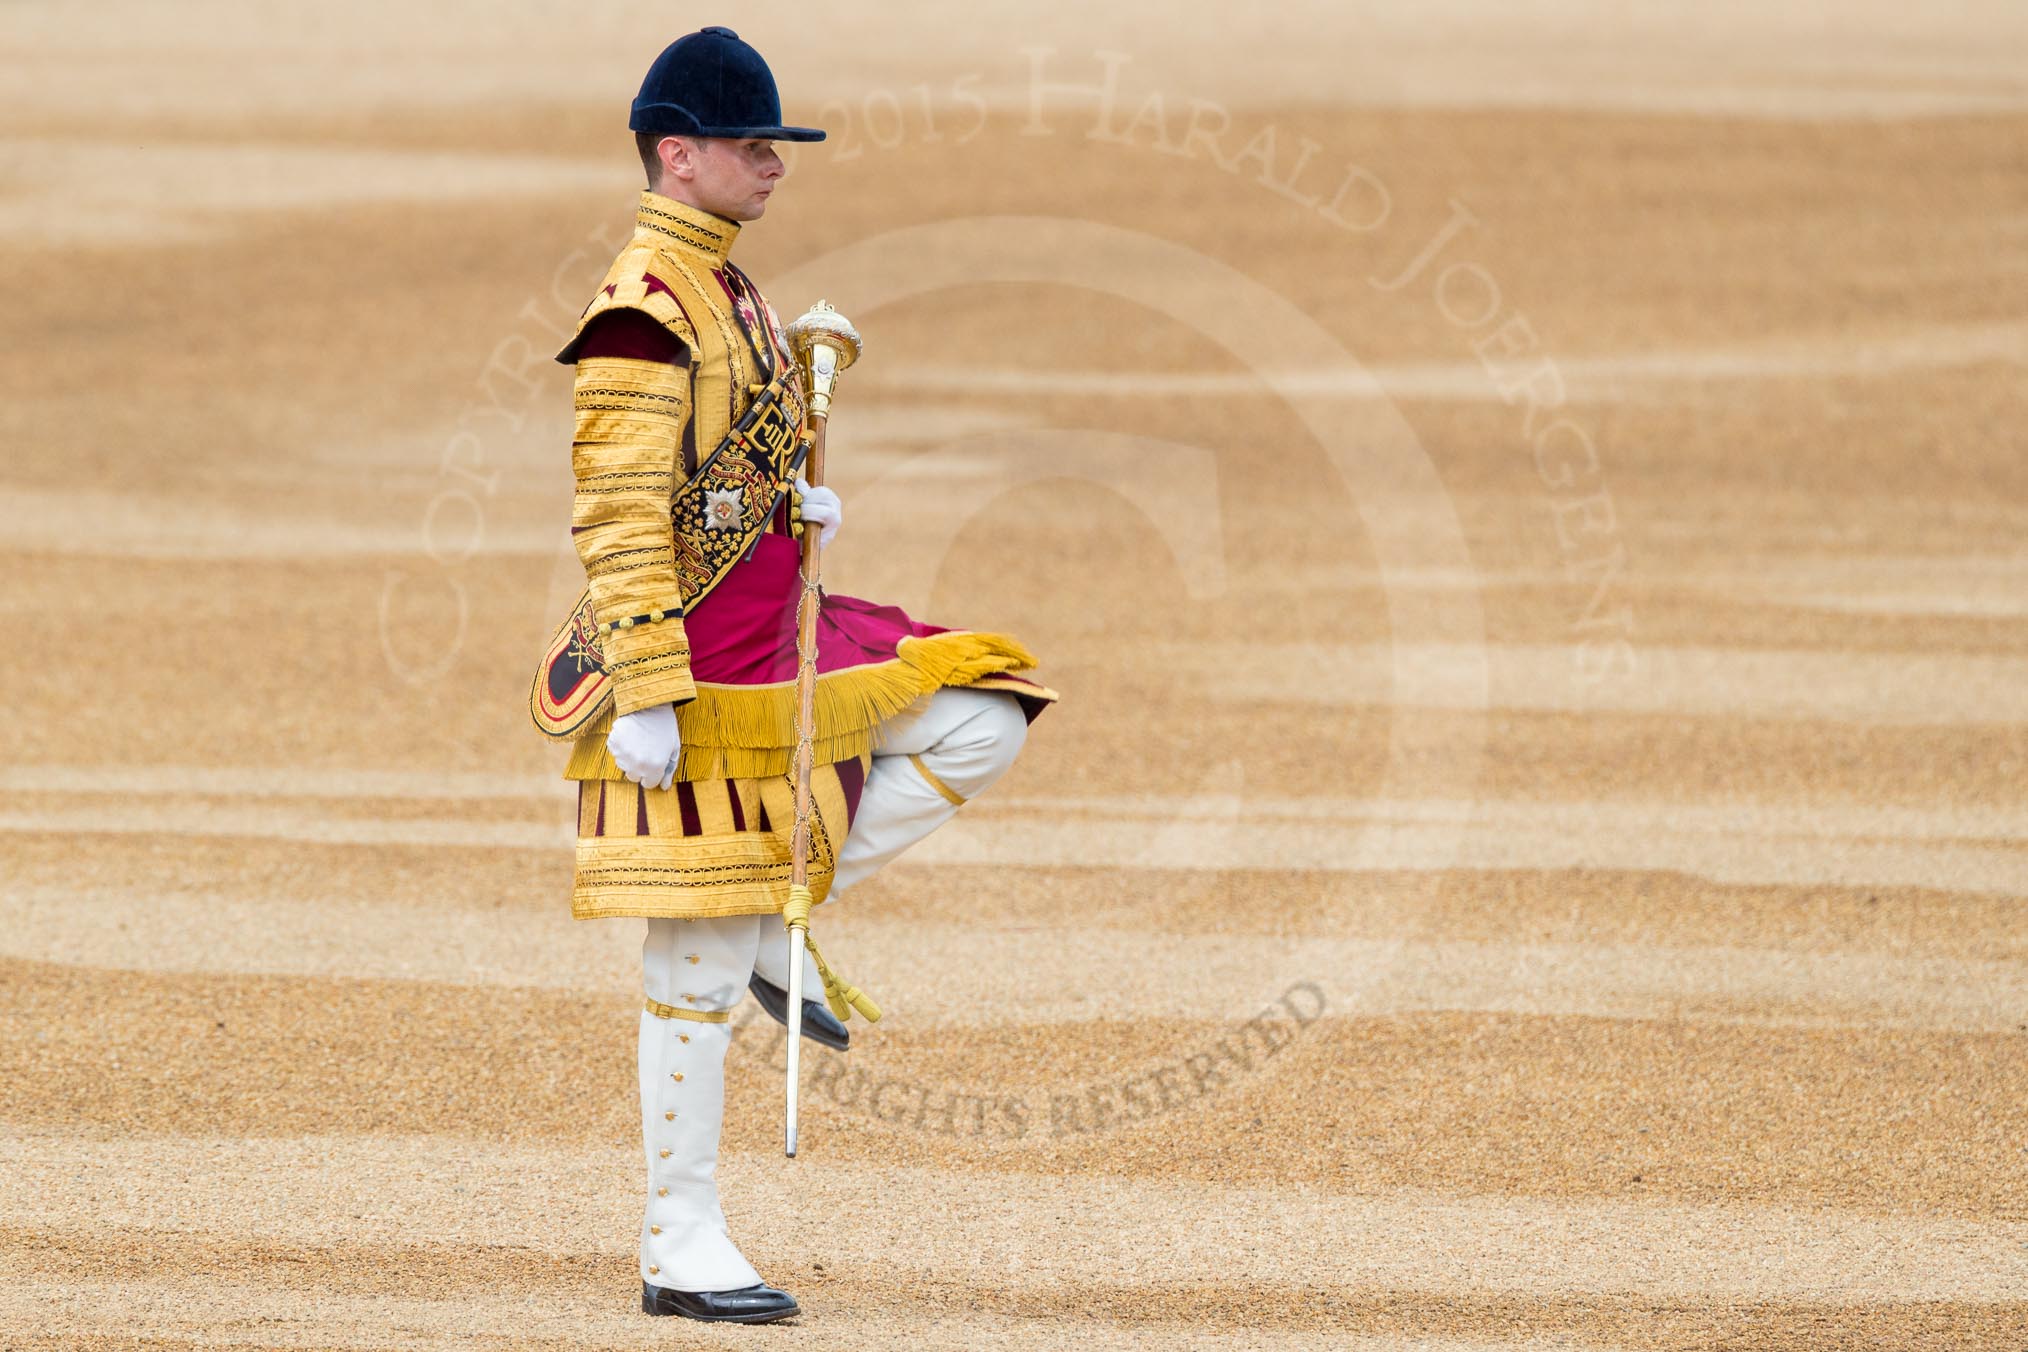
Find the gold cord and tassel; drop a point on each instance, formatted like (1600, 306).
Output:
(841, 995)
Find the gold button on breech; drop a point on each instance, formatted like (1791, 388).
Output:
(665, 1154)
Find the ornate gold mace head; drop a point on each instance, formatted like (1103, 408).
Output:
(825, 343)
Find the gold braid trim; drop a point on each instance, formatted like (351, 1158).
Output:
(950, 795)
(749, 731)
(680, 222)
(735, 346)
(630, 417)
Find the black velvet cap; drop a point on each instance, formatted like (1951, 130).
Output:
(712, 84)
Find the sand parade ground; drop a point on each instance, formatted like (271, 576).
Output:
(1525, 511)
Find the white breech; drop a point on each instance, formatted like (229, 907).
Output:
(690, 967)
(927, 762)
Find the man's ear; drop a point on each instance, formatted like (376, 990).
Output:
(675, 154)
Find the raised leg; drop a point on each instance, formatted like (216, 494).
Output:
(926, 764)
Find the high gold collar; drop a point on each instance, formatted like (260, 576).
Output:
(692, 227)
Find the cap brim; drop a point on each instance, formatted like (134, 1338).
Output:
(770, 133)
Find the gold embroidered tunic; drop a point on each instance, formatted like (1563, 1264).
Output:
(672, 350)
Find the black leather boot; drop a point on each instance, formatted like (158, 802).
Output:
(819, 1024)
(760, 1304)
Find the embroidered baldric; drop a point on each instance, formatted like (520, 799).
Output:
(720, 511)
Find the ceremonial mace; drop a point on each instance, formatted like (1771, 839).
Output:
(825, 343)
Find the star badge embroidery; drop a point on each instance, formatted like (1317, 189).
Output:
(722, 508)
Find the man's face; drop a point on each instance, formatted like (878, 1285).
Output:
(733, 178)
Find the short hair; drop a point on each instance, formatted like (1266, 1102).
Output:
(645, 142)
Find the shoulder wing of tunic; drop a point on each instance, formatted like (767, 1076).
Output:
(632, 334)
(633, 286)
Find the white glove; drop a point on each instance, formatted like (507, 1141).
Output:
(820, 509)
(644, 744)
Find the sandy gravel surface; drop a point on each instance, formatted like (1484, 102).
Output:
(1525, 505)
